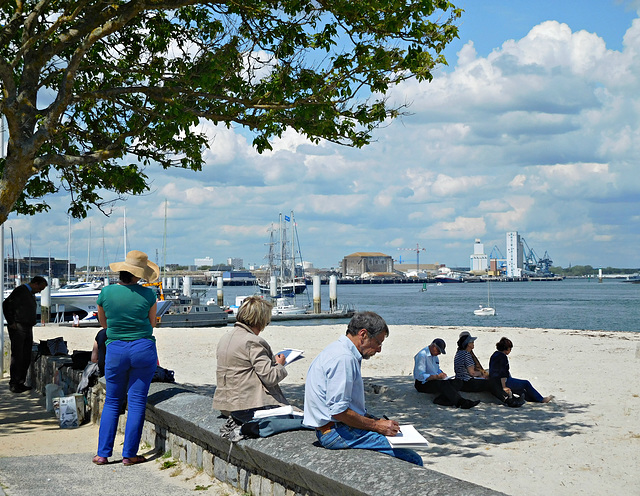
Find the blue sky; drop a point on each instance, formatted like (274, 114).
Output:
(533, 127)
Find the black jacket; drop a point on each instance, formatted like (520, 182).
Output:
(20, 306)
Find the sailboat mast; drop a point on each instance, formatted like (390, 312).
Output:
(164, 243)
(282, 257)
(124, 235)
(88, 253)
(69, 251)
(293, 254)
(104, 256)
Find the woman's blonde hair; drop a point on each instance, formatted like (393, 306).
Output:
(255, 312)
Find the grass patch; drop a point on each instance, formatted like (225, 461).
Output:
(168, 464)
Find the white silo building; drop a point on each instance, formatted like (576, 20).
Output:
(479, 259)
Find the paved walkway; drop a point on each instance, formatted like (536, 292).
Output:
(37, 457)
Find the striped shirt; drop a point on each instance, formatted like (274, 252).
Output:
(461, 362)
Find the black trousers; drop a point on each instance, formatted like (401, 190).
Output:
(484, 385)
(447, 391)
(21, 337)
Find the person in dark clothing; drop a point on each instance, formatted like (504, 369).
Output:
(20, 313)
(499, 372)
(99, 350)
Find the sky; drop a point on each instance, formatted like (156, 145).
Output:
(534, 126)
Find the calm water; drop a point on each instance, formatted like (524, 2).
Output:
(570, 304)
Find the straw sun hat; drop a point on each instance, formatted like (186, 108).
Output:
(138, 264)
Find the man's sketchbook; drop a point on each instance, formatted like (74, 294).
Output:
(408, 437)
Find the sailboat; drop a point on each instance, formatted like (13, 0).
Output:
(488, 310)
(281, 261)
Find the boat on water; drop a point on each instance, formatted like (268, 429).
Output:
(76, 297)
(446, 275)
(488, 310)
(287, 306)
(485, 311)
(177, 310)
(283, 277)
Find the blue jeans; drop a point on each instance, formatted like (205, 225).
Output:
(342, 436)
(520, 386)
(128, 369)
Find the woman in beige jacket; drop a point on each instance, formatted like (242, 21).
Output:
(248, 373)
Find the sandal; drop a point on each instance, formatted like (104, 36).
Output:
(134, 460)
(100, 460)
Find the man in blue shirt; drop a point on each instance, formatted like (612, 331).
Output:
(334, 392)
(431, 379)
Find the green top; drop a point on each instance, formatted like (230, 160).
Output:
(127, 310)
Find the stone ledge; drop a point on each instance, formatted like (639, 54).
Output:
(293, 460)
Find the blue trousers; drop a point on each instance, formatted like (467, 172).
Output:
(520, 386)
(342, 436)
(129, 368)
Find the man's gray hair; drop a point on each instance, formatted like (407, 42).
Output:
(371, 321)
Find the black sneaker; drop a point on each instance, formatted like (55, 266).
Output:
(17, 389)
(466, 404)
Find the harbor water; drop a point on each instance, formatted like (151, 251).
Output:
(612, 305)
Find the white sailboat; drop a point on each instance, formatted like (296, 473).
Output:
(281, 262)
(488, 310)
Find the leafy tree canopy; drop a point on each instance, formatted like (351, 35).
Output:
(95, 91)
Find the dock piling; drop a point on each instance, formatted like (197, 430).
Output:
(333, 294)
(220, 291)
(317, 300)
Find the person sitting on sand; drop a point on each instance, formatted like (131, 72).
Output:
(429, 378)
(476, 363)
(473, 380)
(334, 392)
(248, 373)
(499, 371)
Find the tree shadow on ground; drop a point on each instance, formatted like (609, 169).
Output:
(453, 431)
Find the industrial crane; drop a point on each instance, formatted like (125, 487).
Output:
(492, 254)
(535, 264)
(417, 249)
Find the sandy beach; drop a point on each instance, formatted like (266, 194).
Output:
(587, 441)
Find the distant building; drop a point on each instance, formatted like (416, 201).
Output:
(236, 263)
(357, 264)
(479, 259)
(38, 266)
(515, 255)
(203, 262)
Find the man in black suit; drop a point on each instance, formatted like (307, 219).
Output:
(20, 312)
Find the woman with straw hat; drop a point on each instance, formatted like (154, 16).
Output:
(128, 311)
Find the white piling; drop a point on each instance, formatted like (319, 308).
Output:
(317, 301)
(599, 275)
(45, 304)
(333, 293)
(273, 287)
(186, 285)
(220, 292)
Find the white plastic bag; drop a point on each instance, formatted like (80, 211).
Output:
(68, 412)
(52, 391)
